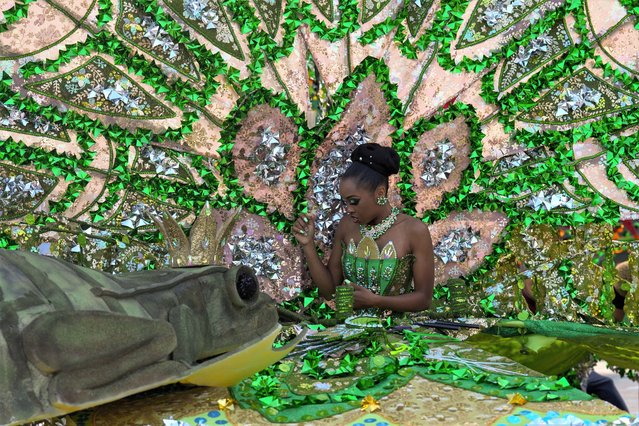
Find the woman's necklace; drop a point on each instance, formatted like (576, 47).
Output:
(376, 231)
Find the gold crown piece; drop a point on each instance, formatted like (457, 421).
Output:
(208, 235)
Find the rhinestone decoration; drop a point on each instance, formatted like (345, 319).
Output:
(164, 164)
(572, 100)
(537, 46)
(518, 159)
(326, 184)
(495, 15)
(15, 190)
(438, 163)
(454, 246)
(159, 37)
(271, 155)
(139, 215)
(259, 253)
(203, 11)
(376, 231)
(15, 117)
(550, 198)
(117, 92)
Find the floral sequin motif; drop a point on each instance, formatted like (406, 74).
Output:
(416, 11)
(530, 58)
(143, 31)
(160, 162)
(326, 7)
(580, 97)
(97, 86)
(21, 191)
(372, 8)
(491, 17)
(208, 18)
(455, 245)
(551, 198)
(520, 159)
(17, 120)
(387, 273)
(270, 11)
(137, 212)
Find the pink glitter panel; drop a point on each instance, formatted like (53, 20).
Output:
(488, 225)
(276, 261)
(43, 27)
(367, 116)
(252, 152)
(455, 134)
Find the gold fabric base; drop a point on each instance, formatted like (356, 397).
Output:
(420, 402)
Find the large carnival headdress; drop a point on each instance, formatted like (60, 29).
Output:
(205, 244)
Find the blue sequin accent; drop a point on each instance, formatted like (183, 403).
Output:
(514, 420)
(214, 414)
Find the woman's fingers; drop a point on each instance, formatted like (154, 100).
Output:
(303, 225)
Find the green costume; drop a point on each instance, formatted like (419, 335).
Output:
(379, 271)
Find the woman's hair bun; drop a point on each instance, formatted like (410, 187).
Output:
(382, 159)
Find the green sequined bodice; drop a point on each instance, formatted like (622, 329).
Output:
(381, 272)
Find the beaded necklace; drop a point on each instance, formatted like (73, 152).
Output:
(376, 231)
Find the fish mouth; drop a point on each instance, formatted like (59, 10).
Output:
(232, 367)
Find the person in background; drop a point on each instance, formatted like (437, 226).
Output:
(594, 383)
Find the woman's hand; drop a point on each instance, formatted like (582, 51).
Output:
(304, 229)
(363, 297)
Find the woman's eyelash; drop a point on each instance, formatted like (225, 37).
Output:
(352, 202)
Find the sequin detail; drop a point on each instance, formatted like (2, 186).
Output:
(381, 272)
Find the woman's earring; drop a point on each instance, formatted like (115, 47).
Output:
(381, 201)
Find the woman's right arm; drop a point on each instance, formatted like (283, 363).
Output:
(326, 278)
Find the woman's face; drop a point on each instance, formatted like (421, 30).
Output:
(359, 203)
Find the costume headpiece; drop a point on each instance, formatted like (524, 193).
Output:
(205, 244)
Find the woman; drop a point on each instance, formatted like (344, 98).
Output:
(377, 250)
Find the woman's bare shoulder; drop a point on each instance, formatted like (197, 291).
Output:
(345, 223)
(345, 227)
(413, 224)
